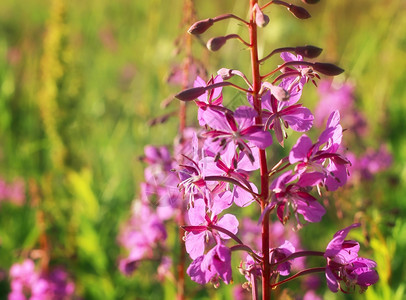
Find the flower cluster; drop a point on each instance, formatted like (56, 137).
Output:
(345, 270)
(145, 230)
(232, 148)
(13, 192)
(28, 283)
(226, 165)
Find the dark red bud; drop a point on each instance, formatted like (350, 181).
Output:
(216, 43)
(191, 94)
(299, 12)
(327, 69)
(200, 26)
(308, 51)
(310, 1)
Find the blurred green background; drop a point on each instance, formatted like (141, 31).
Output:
(80, 80)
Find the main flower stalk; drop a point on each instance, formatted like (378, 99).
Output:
(256, 85)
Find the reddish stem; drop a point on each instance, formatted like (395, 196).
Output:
(296, 255)
(301, 273)
(180, 268)
(256, 79)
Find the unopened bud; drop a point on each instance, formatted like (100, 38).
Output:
(216, 43)
(308, 51)
(225, 73)
(327, 69)
(299, 12)
(191, 94)
(310, 1)
(200, 26)
(261, 19)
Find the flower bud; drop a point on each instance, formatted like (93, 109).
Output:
(299, 12)
(308, 51)
(310, 1)
(225, 73)
(191, 94)
(327, 69)
(216, 43)
(200, 26)
(261, 19)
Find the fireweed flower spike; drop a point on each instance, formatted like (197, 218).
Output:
(345, 270)
(218, 171)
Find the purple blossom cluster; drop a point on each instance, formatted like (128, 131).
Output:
(226, 166)
(13, 192)
(27, 283)
(220, 172)
(217, 176)
(145, 230)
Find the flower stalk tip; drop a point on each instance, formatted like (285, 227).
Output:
(299, 12)
(308, 51)
(310, 1)
(200, 26)
(190, 94)
(327, 69)
(214, 44)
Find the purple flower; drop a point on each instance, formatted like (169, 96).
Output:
(215, 264)
(311, 295)
(321, 162)
(333, 97)
(235, 165)
(200, 222)
(27, 283)
(281, 253)
(290, 196)
(278, 115)
(345, 267)
(210, 99)
(60, 287)
(13, 192)
(237, 128)
(250, 267)
(142, 233)
(192, 178)
(302, 74)
(372, 162)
